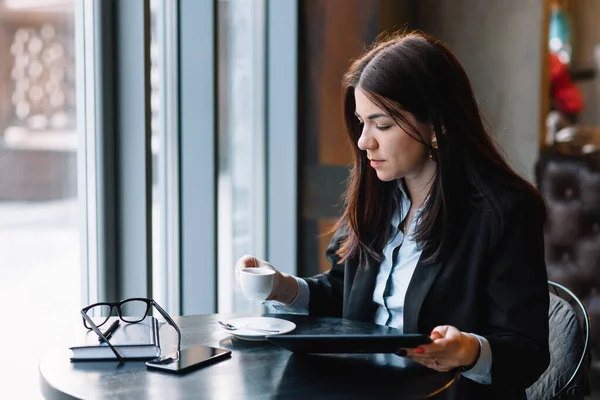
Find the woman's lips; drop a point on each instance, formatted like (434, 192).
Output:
(376, 163)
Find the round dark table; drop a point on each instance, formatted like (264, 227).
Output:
(256, 370)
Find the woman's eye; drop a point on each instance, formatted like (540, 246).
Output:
(383, 128)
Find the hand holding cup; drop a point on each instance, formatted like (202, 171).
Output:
(259, 280)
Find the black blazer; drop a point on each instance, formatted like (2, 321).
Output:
(493, 283)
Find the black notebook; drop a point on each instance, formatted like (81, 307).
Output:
(132, 341)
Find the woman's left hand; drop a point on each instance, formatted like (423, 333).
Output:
(450, 348)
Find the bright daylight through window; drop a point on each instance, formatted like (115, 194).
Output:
(39, 210)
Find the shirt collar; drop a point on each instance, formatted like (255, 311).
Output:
(403, 190)
(405, 199)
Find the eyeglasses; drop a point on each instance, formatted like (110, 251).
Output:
(131, 311)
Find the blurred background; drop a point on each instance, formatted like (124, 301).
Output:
(145, 145)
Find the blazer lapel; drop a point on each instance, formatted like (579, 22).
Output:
(359, 305)
(418, 288)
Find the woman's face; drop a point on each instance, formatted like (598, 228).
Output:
(391, 151)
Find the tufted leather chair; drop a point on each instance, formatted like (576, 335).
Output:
(568, 176)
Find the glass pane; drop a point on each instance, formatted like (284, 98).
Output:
(165, 211)
(241, 170)
(39, 212)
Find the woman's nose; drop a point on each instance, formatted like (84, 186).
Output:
(366, 141)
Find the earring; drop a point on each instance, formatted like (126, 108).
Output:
(433, 149)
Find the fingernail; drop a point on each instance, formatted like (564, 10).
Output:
(401, 353)
(419, 350)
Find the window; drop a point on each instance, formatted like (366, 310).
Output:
(165, 150)
(40, 207)
(241, 140)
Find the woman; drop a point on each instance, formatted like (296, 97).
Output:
(439, 235)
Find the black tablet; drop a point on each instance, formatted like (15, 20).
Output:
(348, 343)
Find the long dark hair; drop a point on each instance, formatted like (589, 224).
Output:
(415, 73)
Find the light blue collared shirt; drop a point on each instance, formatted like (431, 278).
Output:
(400, 258)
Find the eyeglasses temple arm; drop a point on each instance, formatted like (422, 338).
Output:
(171, 322)
(99, 333)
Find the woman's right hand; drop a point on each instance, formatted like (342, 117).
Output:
(285, 286)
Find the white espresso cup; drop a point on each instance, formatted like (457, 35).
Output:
(257, 283)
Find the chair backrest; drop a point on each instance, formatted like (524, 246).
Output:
(567, 375)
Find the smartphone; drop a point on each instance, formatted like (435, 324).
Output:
(189, 359)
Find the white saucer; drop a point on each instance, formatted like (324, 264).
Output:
(281, 325)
